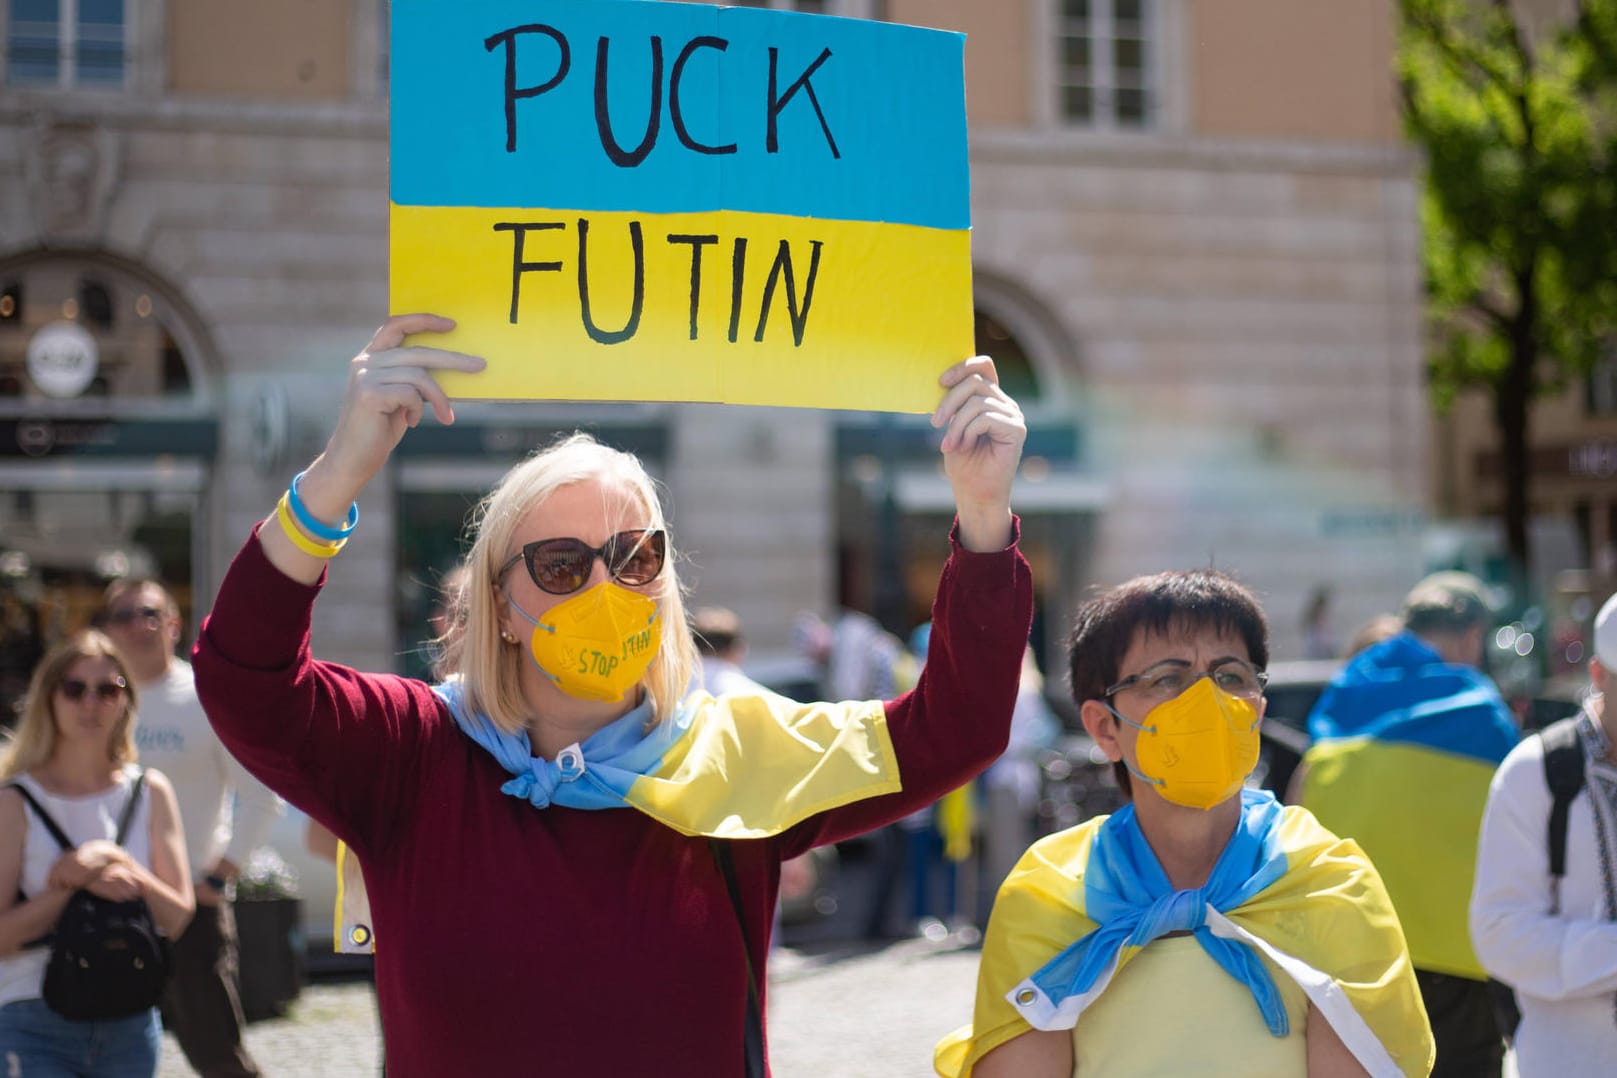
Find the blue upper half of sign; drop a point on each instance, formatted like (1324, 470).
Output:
(523, 103)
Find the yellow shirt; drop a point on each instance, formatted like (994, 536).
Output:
(1326, 924)
(1172, 1010)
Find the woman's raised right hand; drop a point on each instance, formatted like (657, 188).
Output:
(390, 386)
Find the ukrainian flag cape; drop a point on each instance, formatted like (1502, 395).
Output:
(1405, 745)
(1313, 905)
(734, 766)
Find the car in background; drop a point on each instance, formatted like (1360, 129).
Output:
(1294, 688)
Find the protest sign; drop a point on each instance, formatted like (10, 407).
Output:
(629, 200)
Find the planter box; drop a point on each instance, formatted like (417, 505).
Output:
(271, 955)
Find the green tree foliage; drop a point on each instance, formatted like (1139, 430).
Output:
(1518, 123)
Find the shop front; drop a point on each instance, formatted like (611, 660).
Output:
(107, 436)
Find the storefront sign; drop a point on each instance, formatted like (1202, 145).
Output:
(62, 359)
(655, 201)
(106, 437)
(1592, 459)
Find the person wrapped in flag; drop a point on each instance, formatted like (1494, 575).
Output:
(1406, 739)
(1204, 928)
(572, 864)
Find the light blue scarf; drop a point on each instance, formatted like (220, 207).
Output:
(1128, 895)
(594, 775)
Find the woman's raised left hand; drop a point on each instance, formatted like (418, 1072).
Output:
(983, 434)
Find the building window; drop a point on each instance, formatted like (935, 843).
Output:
(384, 42)
(1106, 64)
(66, 43)
(1600, 391)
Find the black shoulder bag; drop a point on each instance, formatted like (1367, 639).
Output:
(108, 959)
(752, 1047)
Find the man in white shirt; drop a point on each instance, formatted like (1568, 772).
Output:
(1556, 943)
(721, 646)
(225, 811)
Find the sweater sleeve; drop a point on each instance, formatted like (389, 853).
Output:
(345, 747)
(1517, 938)
(957, 719)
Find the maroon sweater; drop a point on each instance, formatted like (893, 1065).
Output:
(518, 941)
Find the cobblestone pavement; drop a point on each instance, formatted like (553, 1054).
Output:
(850, 1012)
(845, 1014)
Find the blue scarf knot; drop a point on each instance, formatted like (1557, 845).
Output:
(596, 774)
(537, 785)
(1182, 911)
(1128, 896)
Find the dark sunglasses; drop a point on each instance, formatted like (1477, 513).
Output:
(561, 566)
(74, 689)
(140, 613)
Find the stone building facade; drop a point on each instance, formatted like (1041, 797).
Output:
(1196, 253)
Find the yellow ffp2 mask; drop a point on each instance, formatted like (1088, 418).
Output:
(1198, 748)
(598, 644)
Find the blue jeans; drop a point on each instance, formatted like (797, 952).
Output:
(36, 1042)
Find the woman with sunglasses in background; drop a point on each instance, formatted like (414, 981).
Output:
(572, 865)
(74, 752)
(1203, 928)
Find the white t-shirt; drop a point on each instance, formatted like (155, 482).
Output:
(82, 819)
(172, 734)
(1563, 967)
(721, 676)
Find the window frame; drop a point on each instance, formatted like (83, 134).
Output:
(1103, 81)
(1600, 387)
(67, 52)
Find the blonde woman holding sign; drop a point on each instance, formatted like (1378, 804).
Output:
(574, 869)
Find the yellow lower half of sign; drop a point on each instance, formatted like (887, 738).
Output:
(740, 308)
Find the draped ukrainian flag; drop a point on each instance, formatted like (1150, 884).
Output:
(1305, 899)
(1404, 747)
(735, 767)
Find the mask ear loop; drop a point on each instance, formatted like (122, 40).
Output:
(529, 618)
(1159, 783)
(537, 624)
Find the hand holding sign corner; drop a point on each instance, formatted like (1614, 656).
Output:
(680, 202)
(390, 386)
(982, 444)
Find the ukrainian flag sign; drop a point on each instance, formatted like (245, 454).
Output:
(634, 200)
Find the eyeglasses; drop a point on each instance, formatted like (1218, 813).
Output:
(561, 566)
(74, 689)
(140, 613)
(1169, 678)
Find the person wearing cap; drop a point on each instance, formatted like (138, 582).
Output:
(720, 644)
(1555, 940)
(1405, 740)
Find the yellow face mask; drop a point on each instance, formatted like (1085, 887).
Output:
(1198, 748)
(598, 644)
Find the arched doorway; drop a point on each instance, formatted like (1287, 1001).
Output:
(106, 434)
(894, 505)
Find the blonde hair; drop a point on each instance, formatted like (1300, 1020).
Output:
(489, 670)
(34, 740)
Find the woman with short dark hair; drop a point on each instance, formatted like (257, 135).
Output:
(1203, 928)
